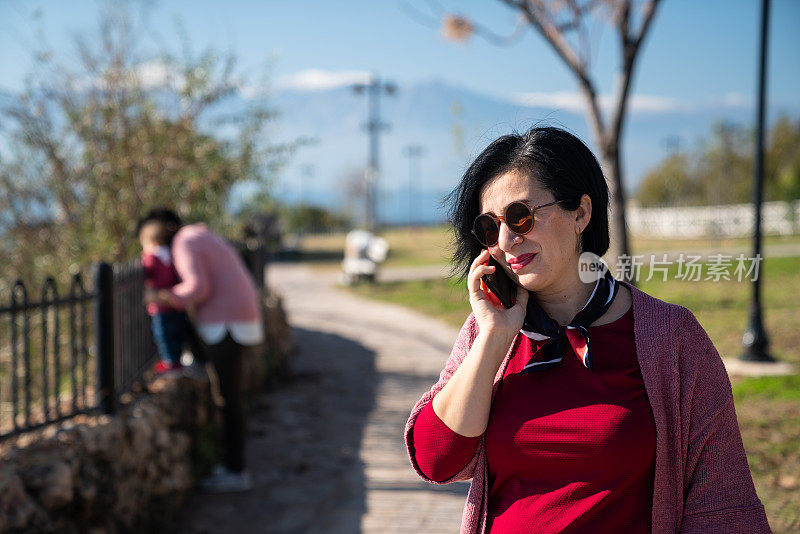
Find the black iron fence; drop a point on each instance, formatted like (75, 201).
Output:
(61, 356)
(125, 347)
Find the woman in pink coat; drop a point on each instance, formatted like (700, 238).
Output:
(227, 317)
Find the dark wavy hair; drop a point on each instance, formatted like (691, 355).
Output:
(560, 162)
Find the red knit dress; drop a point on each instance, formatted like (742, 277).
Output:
(568, 449)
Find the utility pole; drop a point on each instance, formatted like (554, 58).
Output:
(755, 340)
(414, 153)
(374, 126)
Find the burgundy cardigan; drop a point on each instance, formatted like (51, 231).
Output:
(702, 480)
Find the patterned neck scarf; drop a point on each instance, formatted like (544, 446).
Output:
(539, 326)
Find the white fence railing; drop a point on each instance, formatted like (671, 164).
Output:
(736, 220)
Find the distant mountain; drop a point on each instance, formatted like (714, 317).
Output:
(431, 114)
(452, 123)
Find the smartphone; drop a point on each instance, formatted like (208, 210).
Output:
(500, 284)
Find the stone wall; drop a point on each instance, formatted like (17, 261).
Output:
(100, 473)
(129, 472)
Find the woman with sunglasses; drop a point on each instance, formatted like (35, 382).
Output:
(587, 405)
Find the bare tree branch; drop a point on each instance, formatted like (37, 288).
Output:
(555, 20)
(630, 48)
(540, 17)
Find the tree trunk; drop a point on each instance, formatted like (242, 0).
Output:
(619, 251)
(610, 159)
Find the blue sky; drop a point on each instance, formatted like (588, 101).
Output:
(700, 56)
(698, 52)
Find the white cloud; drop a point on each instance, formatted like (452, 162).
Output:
(157, 74)
(318, 80)
(560, 100)
(251, 91)
(637, 103)
(576, 102)
(654, 104)
(734, 100)
(148, 75)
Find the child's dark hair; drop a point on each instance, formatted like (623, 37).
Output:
(560, 162)
(170, 224)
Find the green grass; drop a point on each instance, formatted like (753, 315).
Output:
(407, 247)
(768, 410)
(767, 387)
(445, 299)
(641, 244)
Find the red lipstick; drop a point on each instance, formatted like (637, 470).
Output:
(519, 262)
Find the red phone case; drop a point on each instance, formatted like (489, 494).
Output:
(490, 292)
(489, 295)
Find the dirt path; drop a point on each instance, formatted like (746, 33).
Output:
(326, 450)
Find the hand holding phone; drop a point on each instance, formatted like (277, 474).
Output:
(499, 320)
(499, 288)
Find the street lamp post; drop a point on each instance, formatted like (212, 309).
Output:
(374, 126)
(755, 340)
